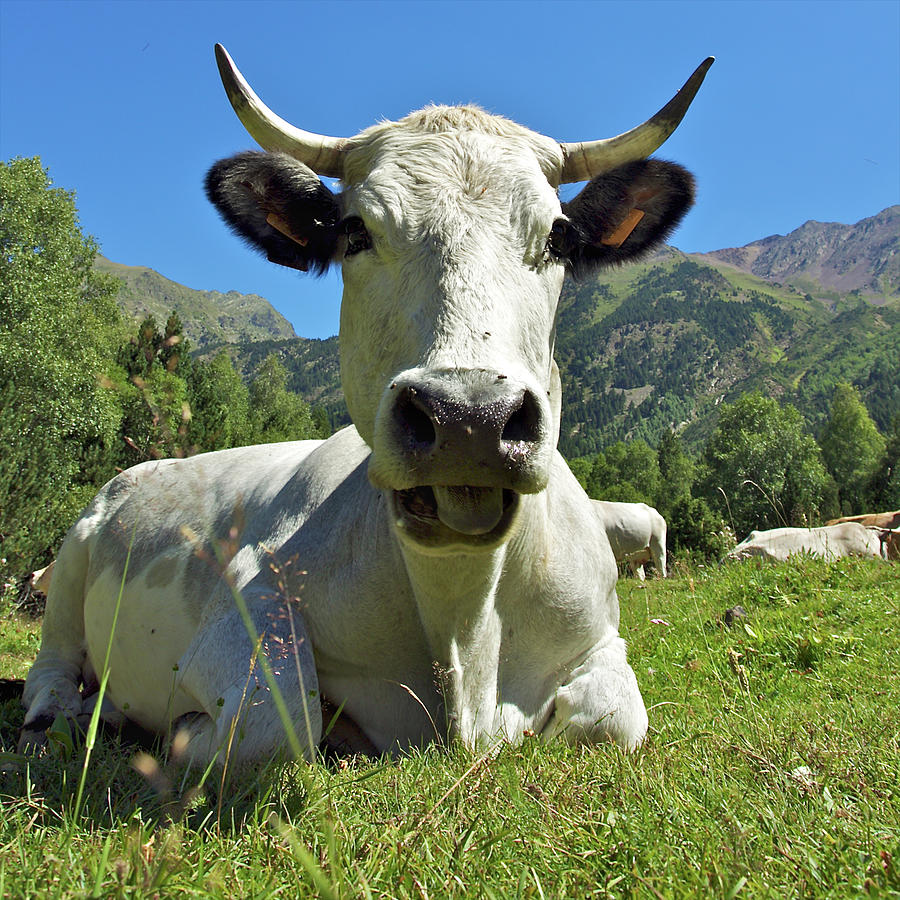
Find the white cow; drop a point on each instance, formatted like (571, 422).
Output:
(637, 534)
(827, 542)
(435, 570)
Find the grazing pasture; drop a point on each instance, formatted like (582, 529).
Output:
(771, 769)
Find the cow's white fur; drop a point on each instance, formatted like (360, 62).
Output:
(827, 542)
(637, 534)
(484, 642)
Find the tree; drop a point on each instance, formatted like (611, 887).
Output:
(885, 485)
(175, 348)
(676, 472)
(626, 472)
(852, 448)
(761, 470)
(59, 327)
(277, 414)
(155, 417)
(154, 393)
(138, 355)
(694, 528)
(220, 406)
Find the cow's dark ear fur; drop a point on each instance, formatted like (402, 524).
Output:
(662, 191)
(253, 190)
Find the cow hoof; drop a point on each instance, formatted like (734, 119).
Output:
(33, 741)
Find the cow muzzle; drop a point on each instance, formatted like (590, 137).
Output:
(457, 447)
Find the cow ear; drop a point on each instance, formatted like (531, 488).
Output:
(278, 206)
(626, 213)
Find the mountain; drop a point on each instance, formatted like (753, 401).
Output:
(208, 317)
(828, 259)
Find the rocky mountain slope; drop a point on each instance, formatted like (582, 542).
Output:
(828, 259)
(208, 317)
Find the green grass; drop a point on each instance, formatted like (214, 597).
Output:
(772, 769)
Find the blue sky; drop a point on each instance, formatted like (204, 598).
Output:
(797, 120)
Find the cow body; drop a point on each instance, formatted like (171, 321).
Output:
(637, 534)
(416, 647)
(827, 542)
(434, 570)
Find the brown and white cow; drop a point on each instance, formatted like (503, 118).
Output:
(435, 569)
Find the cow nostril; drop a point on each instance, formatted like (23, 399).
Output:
(415, 421)
(524, 423)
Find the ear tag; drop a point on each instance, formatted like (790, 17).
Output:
(280, 225)
(620, 235)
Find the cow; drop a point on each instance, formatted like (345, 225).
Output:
(826, 542)
(871, 520)
(637, 534)
(434, 571)
(890, 542)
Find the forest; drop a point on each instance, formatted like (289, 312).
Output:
(86, 392)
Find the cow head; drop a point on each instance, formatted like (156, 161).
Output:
(453, 245)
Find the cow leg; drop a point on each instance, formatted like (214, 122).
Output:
(237, 721)
(658, 552)
(600, 701)
(53, 682)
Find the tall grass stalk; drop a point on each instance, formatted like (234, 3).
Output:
(91, 737)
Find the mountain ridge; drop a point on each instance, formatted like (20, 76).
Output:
(207, 317)
(660, 344)
(827, 256)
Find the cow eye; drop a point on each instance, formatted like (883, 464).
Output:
(357, 237)
(559, 241)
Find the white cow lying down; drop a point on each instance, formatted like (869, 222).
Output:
(435, 569)
(827, 542)
(637, 534)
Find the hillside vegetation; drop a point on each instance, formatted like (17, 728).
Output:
(688, 384)
(658, 346)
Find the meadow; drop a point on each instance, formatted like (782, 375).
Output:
(772, 769)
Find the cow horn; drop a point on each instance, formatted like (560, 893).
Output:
(324, 155)
(587, 159)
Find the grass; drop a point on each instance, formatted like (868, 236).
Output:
(772, 769)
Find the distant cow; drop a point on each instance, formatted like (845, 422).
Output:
(637, 534)
(827, 542)
(872, 520)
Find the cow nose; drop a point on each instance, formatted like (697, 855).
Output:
(464, 427)
(429, 422)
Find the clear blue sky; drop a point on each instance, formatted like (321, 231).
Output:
(797, 120)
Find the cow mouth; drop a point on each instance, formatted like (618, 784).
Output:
(459, 514)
